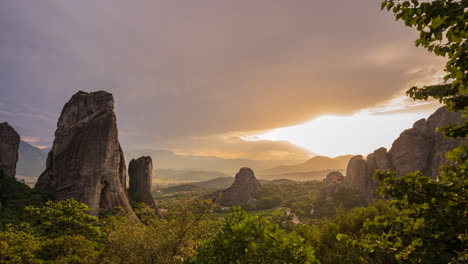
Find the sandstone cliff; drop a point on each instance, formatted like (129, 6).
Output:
(140, 172)
(86, 161)
(242, 191)
(418, 148)
(9, 144)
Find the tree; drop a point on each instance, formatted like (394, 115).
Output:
(431, 224)
(158, 240)
(18, 247)
(252, 239)
(343, 198)
(443, 30)
(14, 197)
(332, 239)
(68, 249)
(64, 218)
(58, 232)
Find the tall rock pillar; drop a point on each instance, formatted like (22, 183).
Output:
(140, 172)
(86, 161)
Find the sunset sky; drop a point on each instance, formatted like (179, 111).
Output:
(232, 78)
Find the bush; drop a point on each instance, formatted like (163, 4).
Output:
(252, 239)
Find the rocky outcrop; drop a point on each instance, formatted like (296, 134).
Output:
(421, 147)
(412, 150)
(86, 161)
(356, 168)
(442, 117)
(9, 144)
(242, 191)
(418, 148)
(379, 160)
(331, 184)
(140, 172)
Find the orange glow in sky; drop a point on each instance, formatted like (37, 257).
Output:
(360, 133)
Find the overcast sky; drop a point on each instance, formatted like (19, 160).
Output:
(199, 77)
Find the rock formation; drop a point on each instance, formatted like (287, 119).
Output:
(331, 184)
(86, 161)
(418, 148)
(140, 173)
(412, 150)
(242, 191)
(354, 172)
(9, 144)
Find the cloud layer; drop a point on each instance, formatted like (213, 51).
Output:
(186, 69)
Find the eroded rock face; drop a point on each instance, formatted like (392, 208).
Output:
(412, 150)
(421, 147)
(86, 161)
(356, 168)
(379, 160)
(418, 148)
(242, 190)
(9, 144)
(140, 172)
(442, 117)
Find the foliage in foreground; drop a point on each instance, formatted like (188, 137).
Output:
(443, 30)
(252, 239)
(432, 225)
(327, 235)
(14, 197)
(64, 232)
(57, 233)
(156, 240)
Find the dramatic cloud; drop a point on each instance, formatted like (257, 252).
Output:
(197, 69)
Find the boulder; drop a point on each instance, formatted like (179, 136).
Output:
(9, 144)
(140, 173)
(86, 161)
(242, 191)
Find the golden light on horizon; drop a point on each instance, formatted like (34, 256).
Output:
(360, 133)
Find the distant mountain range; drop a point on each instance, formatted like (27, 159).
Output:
(312, 169)
(169, 177)
(316, 175)
(201, 186)
(210, 185)
(171, 168)
(165, 159)
(31, 162)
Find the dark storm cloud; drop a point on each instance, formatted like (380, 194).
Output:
(180, 69)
